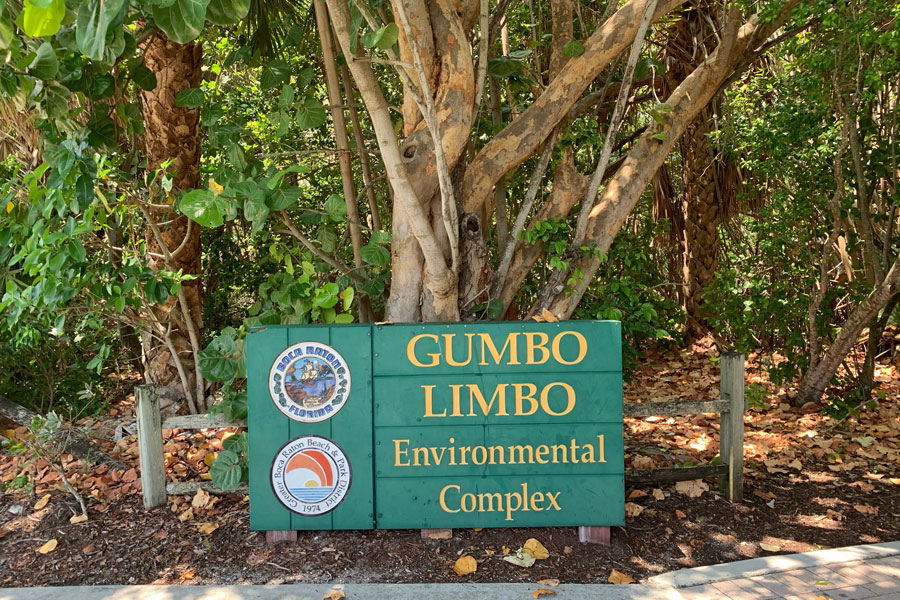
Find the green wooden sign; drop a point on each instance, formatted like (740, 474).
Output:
(436, 425)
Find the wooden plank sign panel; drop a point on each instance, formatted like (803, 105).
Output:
(435, 425)
(309, 392)
(498, 425)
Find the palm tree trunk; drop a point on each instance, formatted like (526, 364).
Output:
(173, 134)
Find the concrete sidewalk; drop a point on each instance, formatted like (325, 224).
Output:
(870, 572)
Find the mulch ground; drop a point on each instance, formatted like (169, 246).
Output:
(812, 482)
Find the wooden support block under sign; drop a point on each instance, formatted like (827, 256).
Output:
(437, 534)
(594, 535)
(281, 535)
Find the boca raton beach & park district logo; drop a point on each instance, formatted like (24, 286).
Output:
(310, 475)
(309, 382)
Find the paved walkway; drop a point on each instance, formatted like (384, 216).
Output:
(869, 572)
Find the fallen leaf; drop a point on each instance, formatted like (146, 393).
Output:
(48, 547)
(201, 498)
(865, 509)
(863, 486)
(620, 577)
(42, 502)
(465, 565)
(189, 574)
(521, 559)
(88, 549)
(210, 458)
(642, 462)
(78, 518)
(535, 548)
(549, 316)
(658, 494)
(796, 464)
(632, 510)
(692, 489)
(568, 550)
(505, 549)
(207, 528)
(635, 494)
(680, 514)
(186, 516)
(769, 547)
(550, 582)
(894, 480)
(542, 592)
(334, 595)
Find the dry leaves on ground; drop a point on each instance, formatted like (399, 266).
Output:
(201, 498)
(619, 577)
(48, 547)
(207, 528)
(542, 592)
(693, 488)
(632, 510)
(548, 582)
(465, 565)
(334, 595)
(535, 549)
(769, 547)
(42, 502)
(78, 518)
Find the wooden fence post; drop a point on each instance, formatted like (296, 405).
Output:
(731, 428)
(150, 446)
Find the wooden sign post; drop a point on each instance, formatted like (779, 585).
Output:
(435, 426)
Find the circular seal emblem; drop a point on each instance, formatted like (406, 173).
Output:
(310, 475)
(309, 382)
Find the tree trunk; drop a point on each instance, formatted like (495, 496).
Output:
(816, 379)
(173, 134)
(876, 330)
(702, 215)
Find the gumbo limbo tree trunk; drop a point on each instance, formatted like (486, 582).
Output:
(444, 186)
(173, 241)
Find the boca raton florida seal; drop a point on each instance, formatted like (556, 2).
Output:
(310, 475)
(309, 382)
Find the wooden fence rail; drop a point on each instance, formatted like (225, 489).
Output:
(730, 469)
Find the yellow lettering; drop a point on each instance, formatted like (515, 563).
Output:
(398, 452)
(448, 350)
(467, 498)
(521, 450)
(540, 453)
(545, 398)
(536, 499)
(601, 457)
(531, 346)
(509, 505)
(493, 450)
(429, 411)
(483, 455)
(587, 453)
(520, 396)
(582, 348)
(423, 452)
(490, 502)
(442, 497)
(411, 351)
(565, 453)
(488, 343)
(551, 497)
(476, 395)
(455, 387)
